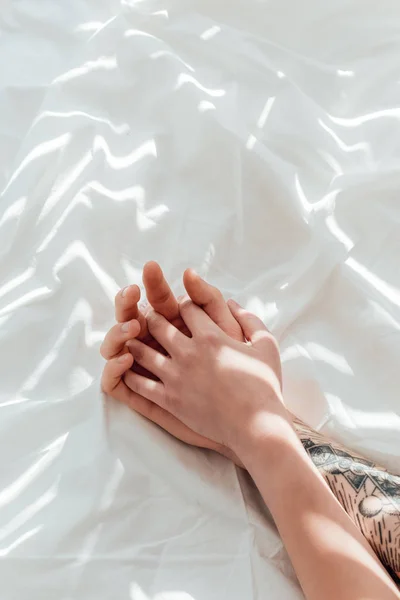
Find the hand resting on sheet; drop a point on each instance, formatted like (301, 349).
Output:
(212, 390)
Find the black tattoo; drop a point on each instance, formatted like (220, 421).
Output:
(369, 494)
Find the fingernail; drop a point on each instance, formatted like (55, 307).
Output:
(122, 358)
(123, 293)
(180, 298)
(125, 327)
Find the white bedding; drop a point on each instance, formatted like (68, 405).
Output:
(256, 141)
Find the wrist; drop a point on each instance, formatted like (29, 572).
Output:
(273, 451)
(267, 439)
(284, 467)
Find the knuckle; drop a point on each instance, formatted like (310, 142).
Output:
(209, 338)
(188, 357)
(163, 297)
(185, 304)
(153, 319)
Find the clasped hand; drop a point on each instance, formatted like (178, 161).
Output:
(221, 388)
(210, 376)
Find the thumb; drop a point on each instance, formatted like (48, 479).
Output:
(253, 328)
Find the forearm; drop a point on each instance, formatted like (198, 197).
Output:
(367, 492)
(330, 556)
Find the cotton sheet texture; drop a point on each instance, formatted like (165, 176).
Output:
(256, 141)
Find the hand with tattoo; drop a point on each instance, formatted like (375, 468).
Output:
(367, 493)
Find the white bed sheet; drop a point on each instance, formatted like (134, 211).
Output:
(256, 141)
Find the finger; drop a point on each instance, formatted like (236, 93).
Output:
(148, 388)
(113, 384)
(126, 307)
(166, 334)
(160, 296)
(113, 371)
(197, 321)
(210, 299)
(116, 338)
(145, 308)
(126, 303)
(161, 417)
(253, 328)
(158, 292)
(150, 359)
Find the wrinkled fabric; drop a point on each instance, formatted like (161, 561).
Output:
(255, 141)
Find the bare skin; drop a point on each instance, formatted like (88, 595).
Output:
(115, 347)
(230, 392)
(372, 501)
(369, 494)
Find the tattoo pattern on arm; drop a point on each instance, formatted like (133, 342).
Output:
(368, 493)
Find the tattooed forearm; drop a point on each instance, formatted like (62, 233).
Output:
(367, 492)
